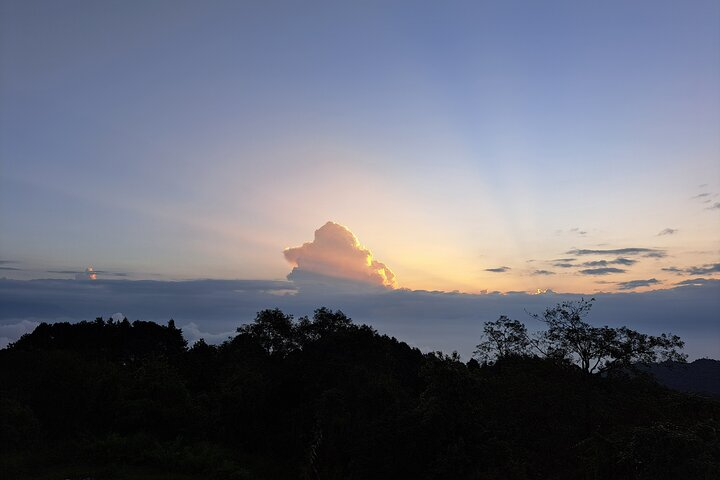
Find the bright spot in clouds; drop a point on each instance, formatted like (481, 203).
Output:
(88, 274)
(336, 252)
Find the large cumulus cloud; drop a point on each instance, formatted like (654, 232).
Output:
(336, 253)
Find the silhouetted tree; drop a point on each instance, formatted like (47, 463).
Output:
(570, 338)
(273, 329)
(324, 322)
(599, 349)
(502, 338)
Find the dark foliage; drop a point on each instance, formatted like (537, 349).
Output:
(569, 338)
(323, 398)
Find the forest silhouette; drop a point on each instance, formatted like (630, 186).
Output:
(323, 398)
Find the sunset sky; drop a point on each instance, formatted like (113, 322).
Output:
(472, 146)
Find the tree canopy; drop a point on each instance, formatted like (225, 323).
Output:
(321, 397)
(568, 337)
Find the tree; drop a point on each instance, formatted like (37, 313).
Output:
(273, 329)
(324, 322)
(599, 349)
(570, 338)
(502, 338)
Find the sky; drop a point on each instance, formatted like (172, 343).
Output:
(477, 147)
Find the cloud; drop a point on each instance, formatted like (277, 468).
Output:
(624, 261)
(679, 271)
(706, 198)
(697, 282)
(335, 252)
(89, 273)
(633, 284)
(605, 263)
(192, 334)
(602, 271)
(564, 265)
(598, 263)
(668, 231)
(317, 283)
(578, 231)
(498, 269)
(204, 301)
(429, 320)
(10, 268)
(705, 269)
(543, 272)
(12, 332)
(646, 252)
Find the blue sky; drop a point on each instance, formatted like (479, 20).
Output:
(469, 145)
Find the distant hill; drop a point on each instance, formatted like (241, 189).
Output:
(701, 376)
